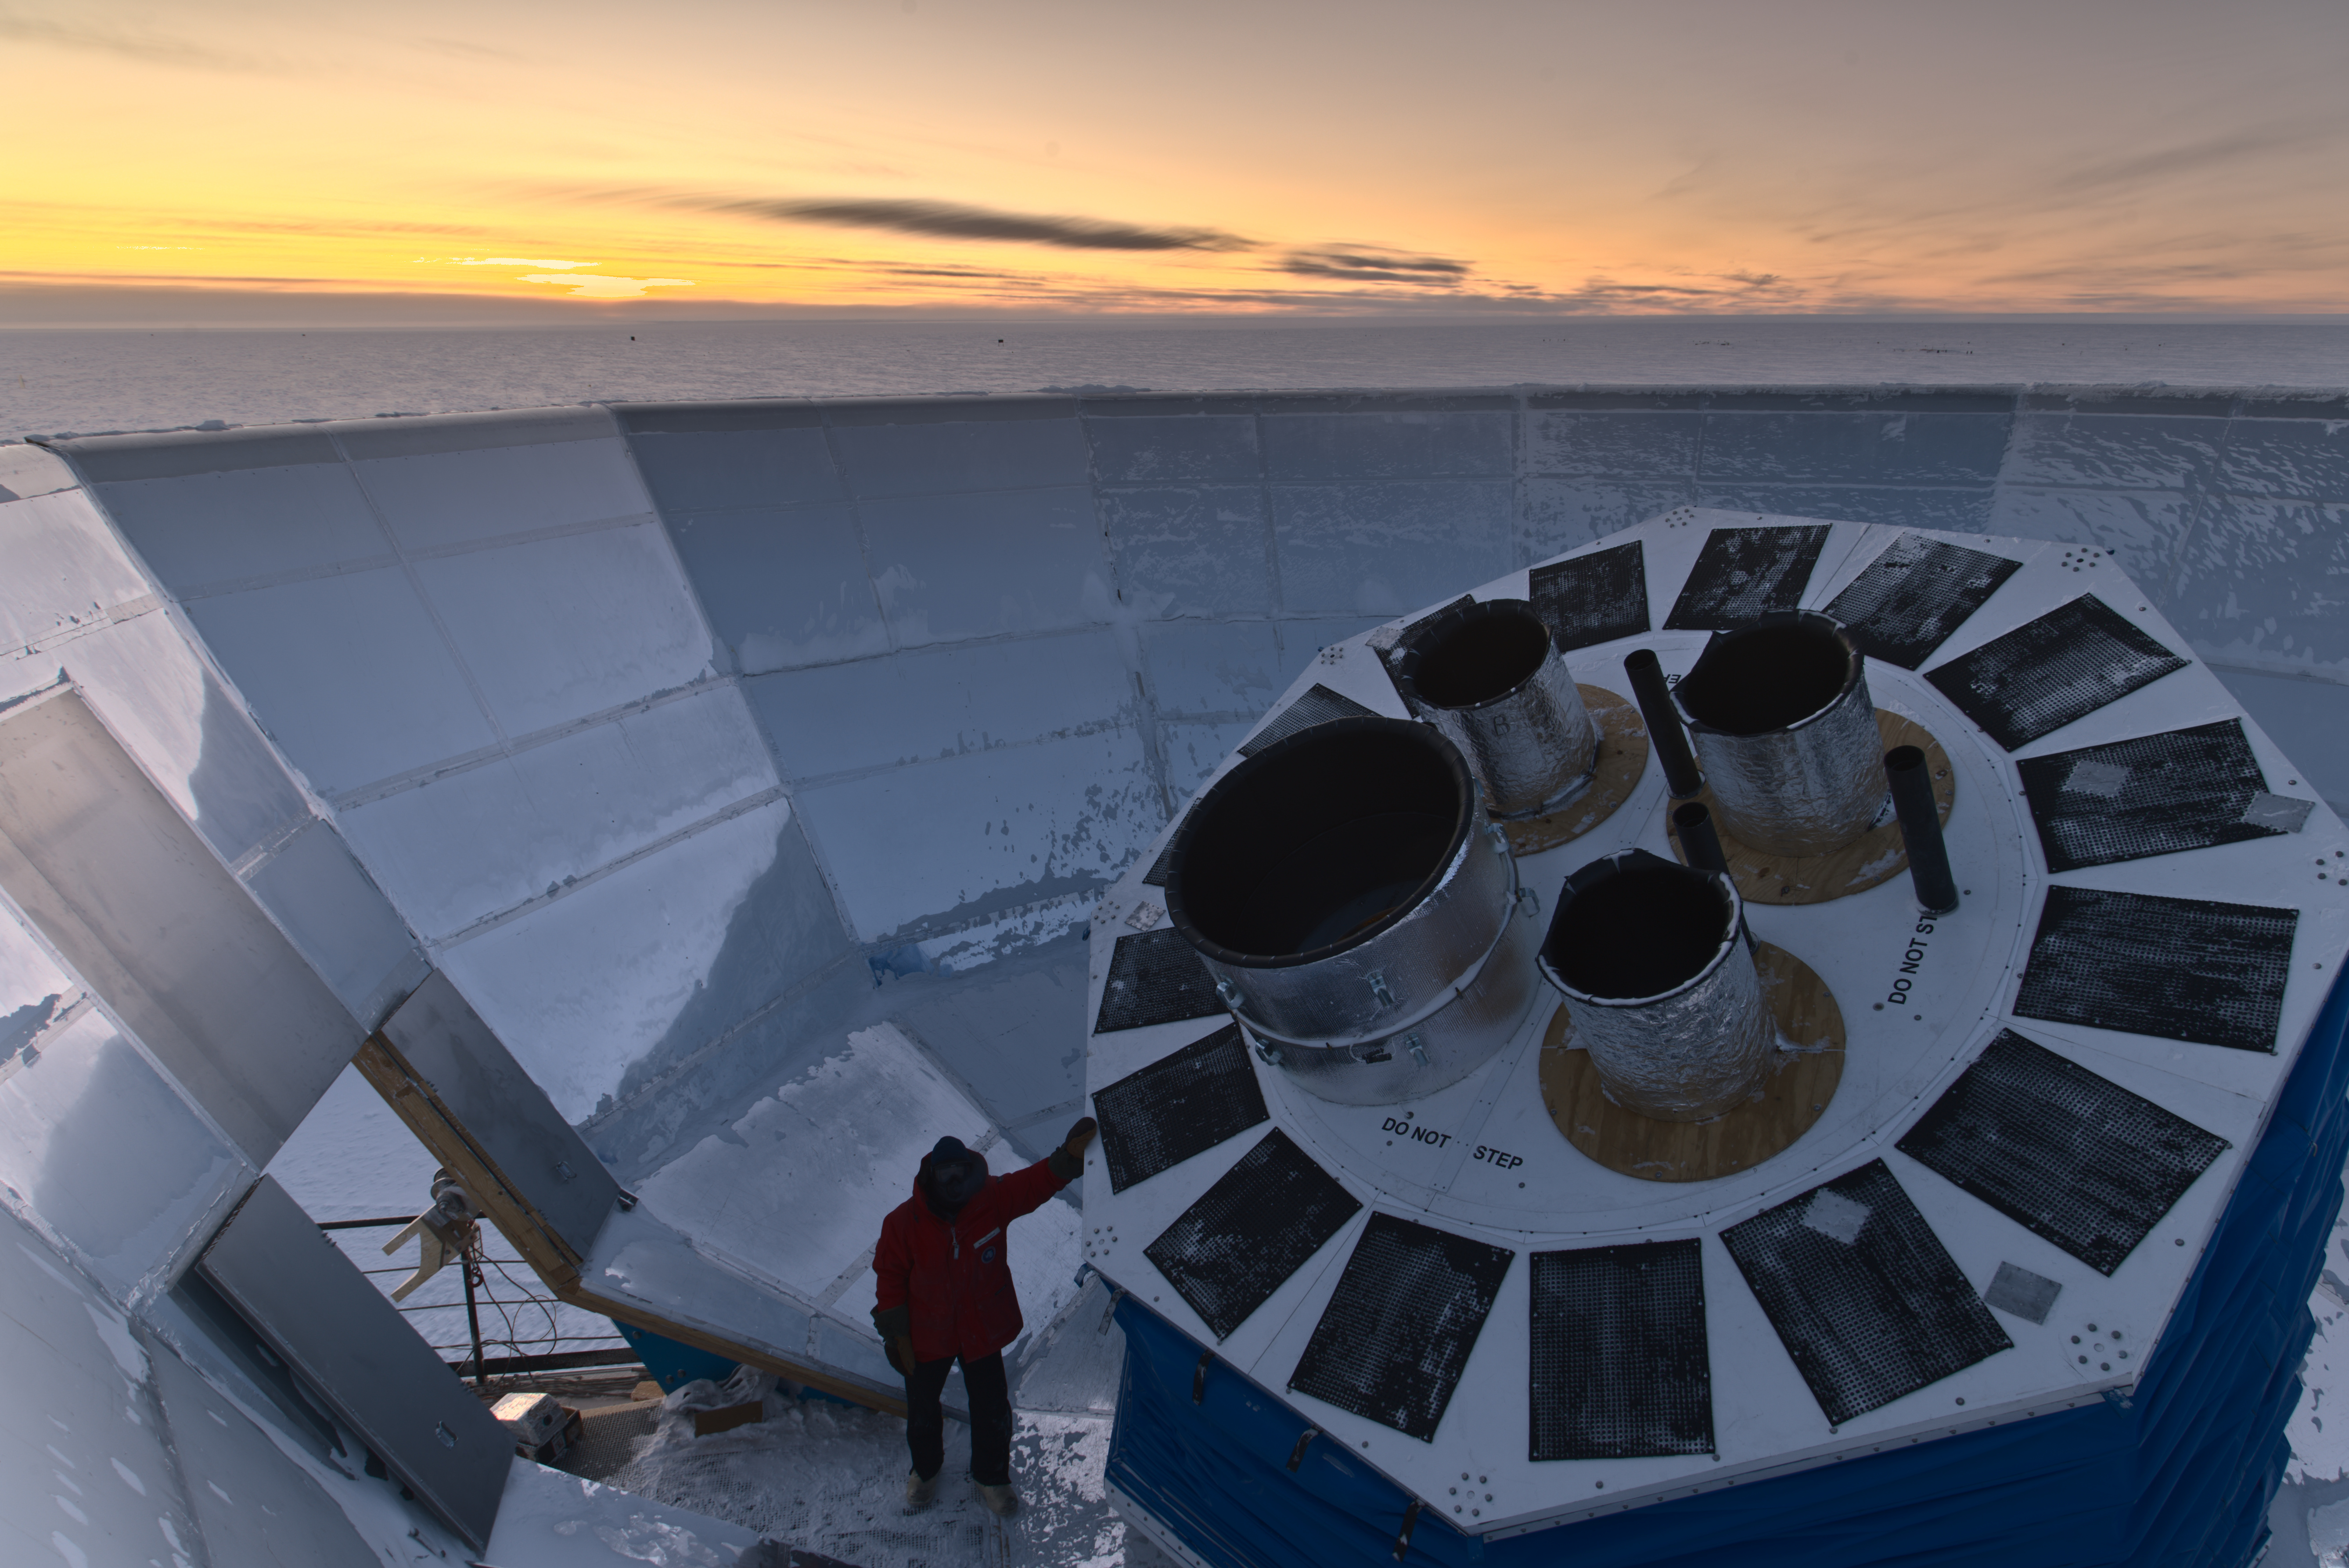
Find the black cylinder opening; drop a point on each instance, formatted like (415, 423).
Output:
(1770, 676)
(1318, 843)
(1637, 928)
(1472, 655)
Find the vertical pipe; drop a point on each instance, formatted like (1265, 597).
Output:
(1664, 731)
(1702, 844)
(1920, 830)
(472, 1313)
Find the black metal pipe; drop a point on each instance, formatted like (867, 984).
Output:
(1664, 731)
(1920, 829)
(1701, 845)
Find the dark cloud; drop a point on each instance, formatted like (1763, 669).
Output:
(950, 221)
(148, 48)
(1372, 263)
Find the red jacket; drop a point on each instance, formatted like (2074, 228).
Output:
(953, 1281)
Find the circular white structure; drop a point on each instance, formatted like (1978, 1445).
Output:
(2138, 943)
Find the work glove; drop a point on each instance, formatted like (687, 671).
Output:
(900, 1351)
(1068, 1162)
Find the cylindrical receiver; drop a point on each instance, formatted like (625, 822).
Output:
(1489, 676)
(1662, 993)
(1780, 713)
(1355, 907)
(1920, 829)
(1664, 732)
(1701, 845)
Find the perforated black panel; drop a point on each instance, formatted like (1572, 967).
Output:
(2185, 789)
(2175, 968)
(1911, 597)
(1862, 1294)
(1393, 1343)
(1250, 1231)
(1156, 875)
(1618, 1367)
(1178, 1106)
(1743, 572)
(1154, 977)
(2061, 1151)
(1593, 598)
(1320, 704)
(2044, 674)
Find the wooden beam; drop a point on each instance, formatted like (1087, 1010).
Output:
(554, 1260)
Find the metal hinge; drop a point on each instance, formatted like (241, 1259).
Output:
(1297, 1454)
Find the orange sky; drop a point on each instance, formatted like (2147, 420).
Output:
(944, 155)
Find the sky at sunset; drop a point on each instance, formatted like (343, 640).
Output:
(212, 160)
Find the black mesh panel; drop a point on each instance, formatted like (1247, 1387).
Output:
(1248, 1233)
(2062, 1151)
(1743, 572)
(1617, 1367)
(1154, 977)
(1862, 1294)
(1396, 1335)
(1178, 1106)
(2044, 674)
(1320, 704)
(1911, 597)
(1593, 598)
(2175, 968)
(2185, 789)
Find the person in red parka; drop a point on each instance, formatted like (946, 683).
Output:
(945, 1295)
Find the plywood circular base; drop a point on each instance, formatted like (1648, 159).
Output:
(1875, 855)
(1791, 1096)
(1622, 757)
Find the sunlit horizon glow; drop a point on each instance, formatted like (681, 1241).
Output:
(926, 156)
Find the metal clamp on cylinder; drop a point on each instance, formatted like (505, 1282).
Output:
(1661, 993)
(1490, 677)
(1783, 724)
(1344, 885)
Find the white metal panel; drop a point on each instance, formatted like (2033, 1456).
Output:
(436, 500)
(560, 628)
(200, 529)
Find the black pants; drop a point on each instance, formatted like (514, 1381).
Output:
(990, 1418)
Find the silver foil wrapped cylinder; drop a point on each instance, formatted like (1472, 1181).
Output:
(1358, 910)
(1663, 993)
(1489, 676)
(1784, 730)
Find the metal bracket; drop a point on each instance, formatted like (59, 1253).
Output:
(1378, 979)
(1409, 1521)
(1199, 1380)
(1297, 1454)
(1416, 1047)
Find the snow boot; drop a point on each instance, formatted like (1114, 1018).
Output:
(920, 1494)
(1001, 1501)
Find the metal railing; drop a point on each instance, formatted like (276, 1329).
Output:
(488, 1301)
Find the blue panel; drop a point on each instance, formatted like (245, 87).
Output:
(2299, 459)
(1562, 514)
(2262, 581)
(347, 675)
(653, 962)
(959, 566)
(1630, 444)
(783, 586)
(1191, 549)
(2182, 1473)
(2115, 451)
(247, 522)
(489, 837)
(1383, 548)
(671, 1364)
(700, 470)
(1864, 448)
(944, 702)
(340, 922)
(1958, 511)
(1138, 449)
(2144, 530)
(1374, 444)
(561, 628)
(941, 456)
(1213, 666)
(470, 496)
(946, 843)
